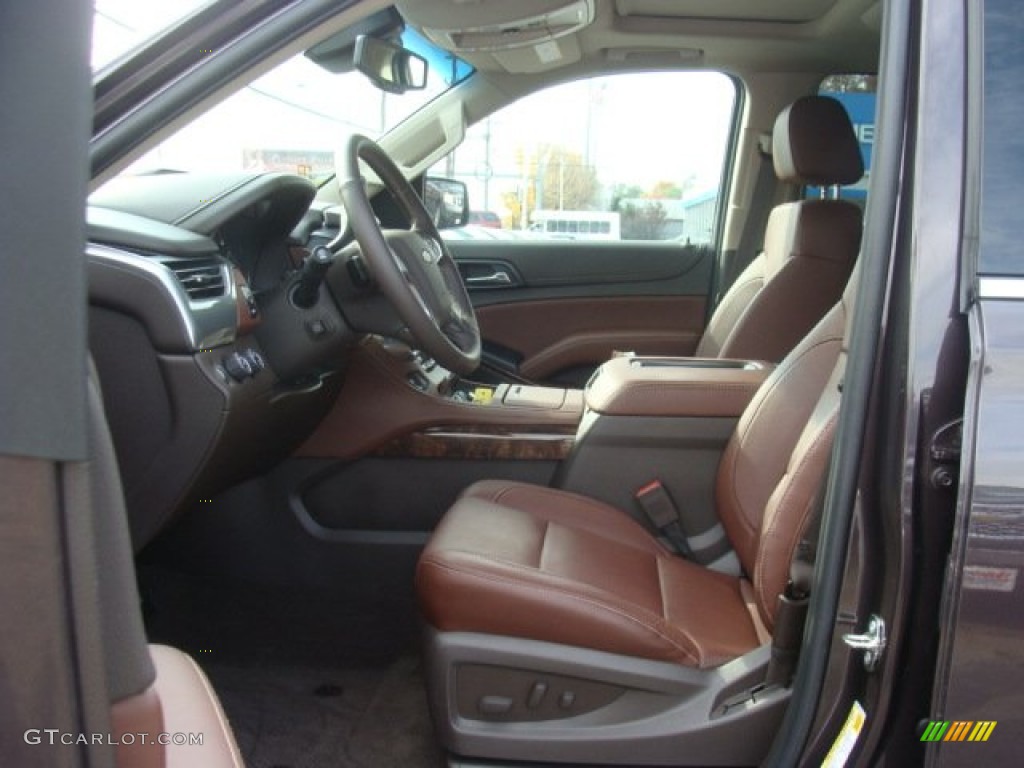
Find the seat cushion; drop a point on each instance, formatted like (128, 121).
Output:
(533, 562)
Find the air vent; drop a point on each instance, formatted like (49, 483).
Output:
(201, 278)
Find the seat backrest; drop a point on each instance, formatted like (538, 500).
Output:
(810, 246)
(776, 460)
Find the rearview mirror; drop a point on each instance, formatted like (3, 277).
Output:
(447, 202)
(390, 67)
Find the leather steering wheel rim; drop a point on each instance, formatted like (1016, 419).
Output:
(413, 268)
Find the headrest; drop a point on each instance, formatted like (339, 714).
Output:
(813, 143)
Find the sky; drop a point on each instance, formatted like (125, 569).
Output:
(634, 129)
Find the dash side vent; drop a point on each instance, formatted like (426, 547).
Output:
(201, 278)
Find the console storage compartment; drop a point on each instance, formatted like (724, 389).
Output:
(672, 386)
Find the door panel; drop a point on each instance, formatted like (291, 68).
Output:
(595, 240)
(554, 335)
(553, 310)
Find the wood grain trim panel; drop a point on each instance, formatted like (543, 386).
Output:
(554, 334)
(377, 405)
(477, 442)
(246, 322)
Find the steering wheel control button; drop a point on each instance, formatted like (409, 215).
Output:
(238, 366)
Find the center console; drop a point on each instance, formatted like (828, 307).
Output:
(655, 421)
(397, 402)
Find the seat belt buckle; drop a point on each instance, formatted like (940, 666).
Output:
(657, 505)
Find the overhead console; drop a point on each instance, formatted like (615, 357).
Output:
(527, 36)
(652, 436)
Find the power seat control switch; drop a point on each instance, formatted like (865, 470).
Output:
(494, 705)
(536, 696)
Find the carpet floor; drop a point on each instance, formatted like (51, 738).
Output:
(306, 717)
(304, 683)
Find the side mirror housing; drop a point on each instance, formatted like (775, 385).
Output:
(447, 202)
(390, 67)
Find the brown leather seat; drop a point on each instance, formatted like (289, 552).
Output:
(810, 246)
(542, 564)
(180, 701)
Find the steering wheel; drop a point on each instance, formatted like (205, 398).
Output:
(412, 267)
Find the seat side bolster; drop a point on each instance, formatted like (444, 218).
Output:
(132, 715)
(191, 707)
(731, 308)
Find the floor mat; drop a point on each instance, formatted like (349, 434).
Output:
(306, 680)
(303, 717)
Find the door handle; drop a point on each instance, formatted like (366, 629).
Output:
(498, 277)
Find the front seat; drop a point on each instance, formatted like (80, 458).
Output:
(560, 629)
(810, 246)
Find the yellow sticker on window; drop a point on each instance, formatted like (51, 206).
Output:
(843, 746)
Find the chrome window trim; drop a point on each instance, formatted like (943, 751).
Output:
(208, 322)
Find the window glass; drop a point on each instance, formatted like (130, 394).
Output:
(631, 157)
(857, 95)
(292, 119)
(118, 26)
(1002, 190)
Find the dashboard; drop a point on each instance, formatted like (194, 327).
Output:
(210, 372)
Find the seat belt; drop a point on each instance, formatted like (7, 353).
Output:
(677, 531)
(791, 610)
(752, 238)
(655, 502)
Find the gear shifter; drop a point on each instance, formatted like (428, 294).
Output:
(311, 275)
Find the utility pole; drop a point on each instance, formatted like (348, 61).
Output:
(561, 181)
(487, 165)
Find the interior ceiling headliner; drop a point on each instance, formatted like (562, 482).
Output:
(736, 10)
(731, 35)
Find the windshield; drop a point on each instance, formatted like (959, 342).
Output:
(119, 26)
(293, 118)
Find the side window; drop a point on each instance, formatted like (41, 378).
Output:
(857, 94)
(620, 157)
(1002, 165)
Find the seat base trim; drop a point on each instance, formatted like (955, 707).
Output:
(638, 711)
